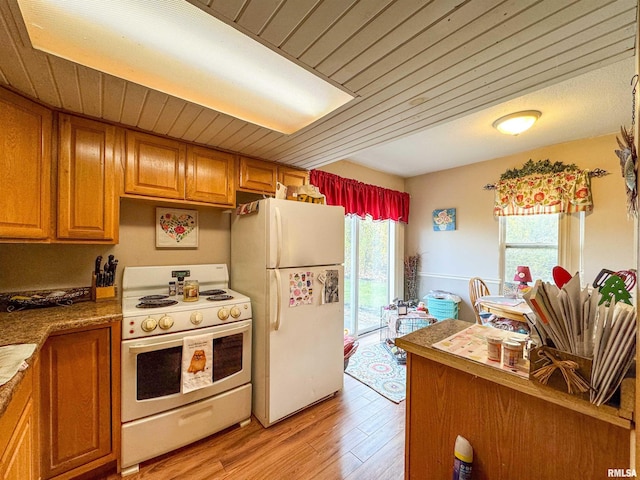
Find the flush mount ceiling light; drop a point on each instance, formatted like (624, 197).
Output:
(516, 123)
(176, 48)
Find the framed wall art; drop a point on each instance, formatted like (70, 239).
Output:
(444, 219)
(176, 228)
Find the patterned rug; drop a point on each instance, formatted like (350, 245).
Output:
(375, 366)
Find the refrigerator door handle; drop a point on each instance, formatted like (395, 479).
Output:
(279, 300)
(278, 236)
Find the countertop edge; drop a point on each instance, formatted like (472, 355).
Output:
(420, 343)
(43, 323)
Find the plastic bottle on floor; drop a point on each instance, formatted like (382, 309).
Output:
(462, 459)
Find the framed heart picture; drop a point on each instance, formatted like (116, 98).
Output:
(176, 228)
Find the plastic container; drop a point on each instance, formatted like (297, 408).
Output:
(494, 348)
(442, 308)
(462, 459)
(511, 353)
(522, 342)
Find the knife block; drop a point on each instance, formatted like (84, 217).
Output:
(101, 293)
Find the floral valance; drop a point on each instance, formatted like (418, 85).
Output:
(562, 192)
(362, 199)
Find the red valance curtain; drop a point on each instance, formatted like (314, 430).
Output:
(361, 199)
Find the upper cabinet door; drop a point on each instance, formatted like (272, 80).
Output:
(87, 194)
(154, 166)
(25, 163)
(292, 176)
(210, 176)
(257, 175)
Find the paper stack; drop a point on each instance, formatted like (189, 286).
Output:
(571, 320)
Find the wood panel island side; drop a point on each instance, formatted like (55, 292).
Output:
(518, 428)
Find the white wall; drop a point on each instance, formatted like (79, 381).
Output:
(450, 258)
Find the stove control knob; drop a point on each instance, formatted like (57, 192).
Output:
(149, 324)
(223, 313)
(166, 322)
(235, 312)
(196, 318)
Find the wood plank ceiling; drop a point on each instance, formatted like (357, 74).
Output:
(411, 65)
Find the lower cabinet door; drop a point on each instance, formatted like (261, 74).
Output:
(75, 400)
(19, 435)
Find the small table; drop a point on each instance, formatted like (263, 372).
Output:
(511, 308)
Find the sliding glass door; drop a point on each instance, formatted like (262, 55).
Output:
(368, 267)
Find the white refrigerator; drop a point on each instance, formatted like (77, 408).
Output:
(287, 257)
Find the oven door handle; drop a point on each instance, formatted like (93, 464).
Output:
(150, 347)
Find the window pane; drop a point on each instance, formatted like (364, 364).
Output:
(539, 260)
(541, 231)
(532, 229)
(373, 272)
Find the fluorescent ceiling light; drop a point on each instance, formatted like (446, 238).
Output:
(176, 48)
(516, 123)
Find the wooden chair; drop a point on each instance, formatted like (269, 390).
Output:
(477, 289)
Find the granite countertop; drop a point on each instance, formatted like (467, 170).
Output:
(420, 342)
(35, 326)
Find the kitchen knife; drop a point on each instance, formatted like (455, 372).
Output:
(98, 263)
(113, 272)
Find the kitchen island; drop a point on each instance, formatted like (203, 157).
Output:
(518, 428)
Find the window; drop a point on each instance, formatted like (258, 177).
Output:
(540, 242)
(368, 270)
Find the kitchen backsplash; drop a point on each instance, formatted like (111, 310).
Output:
(26, 267)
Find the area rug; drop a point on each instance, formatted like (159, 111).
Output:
(375, 366)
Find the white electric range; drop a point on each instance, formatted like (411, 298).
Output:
(156, 328)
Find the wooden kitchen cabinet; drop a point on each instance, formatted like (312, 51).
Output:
(25, 163)
(88, 197)
(19, 434)
(163, 168)
(155, 166)
(257, 175)
(79, 401)
(292, 176)
(210, 176)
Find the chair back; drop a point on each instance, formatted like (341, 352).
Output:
(477, 289)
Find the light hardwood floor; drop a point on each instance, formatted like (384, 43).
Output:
(356, 435)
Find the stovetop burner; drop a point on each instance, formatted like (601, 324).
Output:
(219, 298)
(155, 303)
(215, 291)
(153, 297)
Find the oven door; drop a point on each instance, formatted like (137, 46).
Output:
(151, 369)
